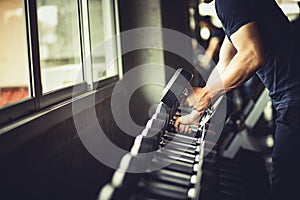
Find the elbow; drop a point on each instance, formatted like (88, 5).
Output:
(257, 59)
(258, 56)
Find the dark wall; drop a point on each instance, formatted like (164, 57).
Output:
(176, 17)
(136, 14)
(55, 164)
(163, 14)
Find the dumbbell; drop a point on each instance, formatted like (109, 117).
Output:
(175, 164)
(181, 138)
(179, 160)
(159, 190)
(113, 189)
(173, 177)
(187, 139)
(175, 142)
(168, 151)
(148, 142)
(183, 155)
(182, 151)
(170, 177)
(161, 108)
(176, 91)
(177, 157)
(167, 177)
(180, 145)
(176, 88)
(124, 181)
(106, 192)
(117, 189)
(184, 161)
(190, 158)
(144, 144)
(164, 185)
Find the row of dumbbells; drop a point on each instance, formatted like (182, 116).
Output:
(179, 158)
(163, 164)
(176, 163)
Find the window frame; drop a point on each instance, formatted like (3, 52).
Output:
(111, 8)
(39, 101)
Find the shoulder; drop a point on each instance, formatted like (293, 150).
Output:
(225, 7)
(234, 14)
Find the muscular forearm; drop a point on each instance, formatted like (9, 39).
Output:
(212, 47)
(242, 66)
(239, 59)
(225, 77)
(228, 76)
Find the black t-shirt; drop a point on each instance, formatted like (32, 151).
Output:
(218, 32)
(281, 72)
(296, 26)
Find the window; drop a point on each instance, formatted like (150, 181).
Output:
(43, 46)
(14, 67)
(59, 44)
(101, 30)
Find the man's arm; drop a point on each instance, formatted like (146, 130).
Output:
(249, 57)
(238, 61)
(233, 71)
(227, 52)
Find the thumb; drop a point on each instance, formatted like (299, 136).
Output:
(192, 118)
(177, 122)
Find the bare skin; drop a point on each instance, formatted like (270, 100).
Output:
(212, 49)
(239, 59)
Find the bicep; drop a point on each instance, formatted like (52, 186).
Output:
(247, 41)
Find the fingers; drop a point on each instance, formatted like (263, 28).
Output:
(181, 122)
(177, 122)
(200, 114)
(192, 118)
(185, 129)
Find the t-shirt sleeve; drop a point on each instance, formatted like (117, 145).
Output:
(218, 32)
(234, 14)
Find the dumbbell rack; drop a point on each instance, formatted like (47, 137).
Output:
(178, 158)
(182, 171)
